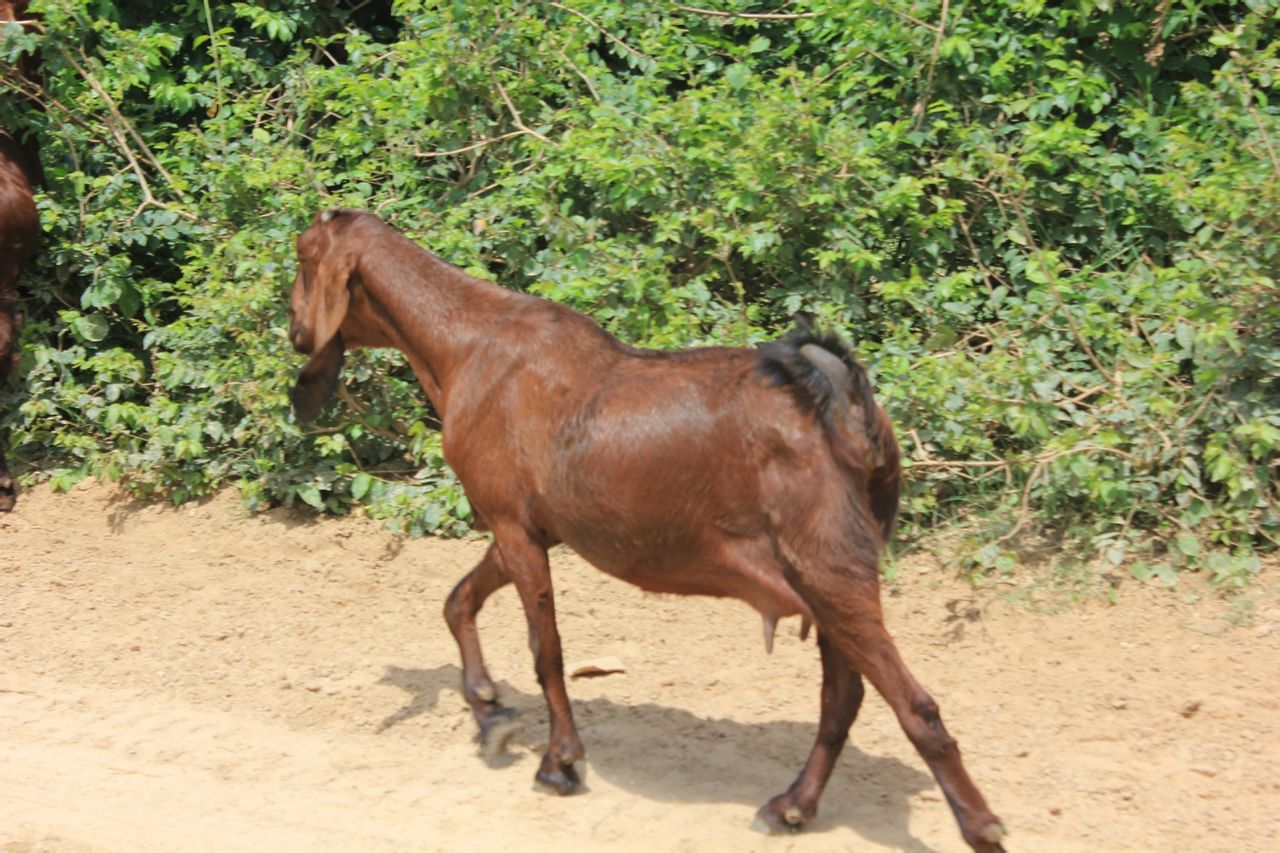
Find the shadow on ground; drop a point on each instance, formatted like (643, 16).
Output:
(668, 754)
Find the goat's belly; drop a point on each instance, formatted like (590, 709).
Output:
(648, 559)
(682, 562)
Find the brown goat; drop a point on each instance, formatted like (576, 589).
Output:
(766, 475)
(20, 174)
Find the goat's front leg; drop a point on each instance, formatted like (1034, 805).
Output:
(497, 724)
(842, 693)
(525, 562)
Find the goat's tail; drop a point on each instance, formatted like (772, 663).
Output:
(822, 369)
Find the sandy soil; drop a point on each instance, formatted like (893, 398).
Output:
(196, 678)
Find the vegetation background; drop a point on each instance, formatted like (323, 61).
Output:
(1049, 227)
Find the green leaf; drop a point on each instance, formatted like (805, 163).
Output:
(737, 75)
(1187, 544)
(310, 494)
(91, 327)
(360, 484)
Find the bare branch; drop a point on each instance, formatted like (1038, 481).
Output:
(515, 114)
(119, 126)
(473, 146)
(927, 92)
(1051, 279)
(962, 463)
(1024, 510)
(605, 32)
(1155, 48)
(583, 77)
(757, 16)
(888, 7)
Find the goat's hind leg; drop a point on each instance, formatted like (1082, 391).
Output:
(497, 723)
(846, 603)
(842, 693)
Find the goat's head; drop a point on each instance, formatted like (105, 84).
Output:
(321, 295)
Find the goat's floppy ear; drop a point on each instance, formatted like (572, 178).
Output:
(318, 380)
(324, 307)
(328, 294)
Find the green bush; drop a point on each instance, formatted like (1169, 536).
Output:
(1050, 228)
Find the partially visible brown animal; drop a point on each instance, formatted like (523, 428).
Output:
(766, 475)
(20, 174)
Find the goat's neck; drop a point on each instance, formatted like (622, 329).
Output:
(438, 315)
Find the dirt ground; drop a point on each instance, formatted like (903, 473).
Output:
(203, 679)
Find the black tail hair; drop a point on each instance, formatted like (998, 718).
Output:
(783, 362)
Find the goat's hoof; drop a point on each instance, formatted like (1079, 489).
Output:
(988, 840)
(769, 822)
(496, 731)
(8, 494)
(561, 779)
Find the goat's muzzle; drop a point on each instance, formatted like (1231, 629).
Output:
(299, 336)
(318, 379)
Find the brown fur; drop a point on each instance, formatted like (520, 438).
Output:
(768, 477)
(19, 231)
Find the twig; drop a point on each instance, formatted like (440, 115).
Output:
(217, 62)
(114, 123)
(912, 18)
(583, 77)
(1051, 279)
(1041, 461)
(1266, 140)
(987, 274)
(933, 64)
(39, 95)
(962, 463)
(757, 16)
(605, 32)
(515, 114)
(1155, 48)
(1190, 34)
(123, 122)
(473, 146)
